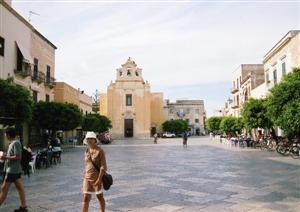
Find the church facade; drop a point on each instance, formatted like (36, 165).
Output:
(130, 105)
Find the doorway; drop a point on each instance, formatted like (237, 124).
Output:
(128, 128)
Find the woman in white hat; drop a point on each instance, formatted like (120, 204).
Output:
(95, 166)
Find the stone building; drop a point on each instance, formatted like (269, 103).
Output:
(130, 105)
(64, 92)
(26, 57)
(246, 78)
(279, 61)
(282, 57)
(190, 110)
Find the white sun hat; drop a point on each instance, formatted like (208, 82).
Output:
(89, 134)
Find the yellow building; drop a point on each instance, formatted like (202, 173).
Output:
(64, 92)
(130, 105)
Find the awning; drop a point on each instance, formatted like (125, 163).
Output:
(25, 52)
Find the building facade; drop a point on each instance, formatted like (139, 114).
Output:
(26, 57)
(192, 111)
(282, 57)
(246, 78)
(64, 92)
(128, 102)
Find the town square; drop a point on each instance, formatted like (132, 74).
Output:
(207, 176)
(149, 106)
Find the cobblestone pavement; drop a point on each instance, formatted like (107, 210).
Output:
(207, 176)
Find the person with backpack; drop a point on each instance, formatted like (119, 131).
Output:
(13, 169)
(95, 168)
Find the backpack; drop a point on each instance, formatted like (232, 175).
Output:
(26, 158)
(107, 181)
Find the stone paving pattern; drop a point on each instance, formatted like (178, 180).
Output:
(207, 176)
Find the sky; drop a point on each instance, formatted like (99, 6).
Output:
(187, 49)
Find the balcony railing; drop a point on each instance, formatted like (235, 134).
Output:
(235, 106)
(234, 90)
(23, 73)
(38, 77)
(50, 81)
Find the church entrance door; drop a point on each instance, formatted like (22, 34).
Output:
(128, 127)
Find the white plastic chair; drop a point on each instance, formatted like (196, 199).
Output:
(32, 163)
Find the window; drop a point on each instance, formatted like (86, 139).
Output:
(275, 76)
(283, 68)
(47, 98)
(1, 46)
(136, 73)
(35, 69)
(196, 120)
(120, 73)
(34, 96)
(128, 99)
(187, 120)
(36, 64)
(188, 110)
(197, 111)
(128, 72)
(267, 77)
(19, 60)
(48, 74)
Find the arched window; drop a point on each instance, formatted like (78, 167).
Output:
(128, 72)
(136, 73)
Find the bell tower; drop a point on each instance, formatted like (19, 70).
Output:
(129, 72)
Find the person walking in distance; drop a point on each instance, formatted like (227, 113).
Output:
(184, 139)
(95, 166)
(155, 136)
(13, 169)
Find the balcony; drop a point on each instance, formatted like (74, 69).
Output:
(23, 73)
(234, 90)
(235, 106)
(50, 82)
(38, 77)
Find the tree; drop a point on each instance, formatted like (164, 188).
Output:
(213, 123)
(15, 104)
(254, 114)
(231, 125)
(228, 125)
(284, 104)
(96, 102)
(175, 126)
(96, 123)
(239, 125)
(56, 116)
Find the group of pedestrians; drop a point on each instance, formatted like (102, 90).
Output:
(184, 139)
(95, 167)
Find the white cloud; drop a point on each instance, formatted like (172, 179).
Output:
(175, 44)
